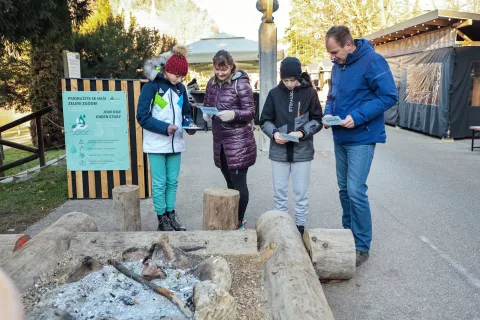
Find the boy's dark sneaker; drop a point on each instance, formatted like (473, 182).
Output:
(301, 229)
(164, 223)
(173, 221)
(361, 257)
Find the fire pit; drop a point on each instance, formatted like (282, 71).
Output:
(224, 269)
(108, 293)
(160, 281)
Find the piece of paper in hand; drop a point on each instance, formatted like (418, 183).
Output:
(332, 121)
(211, 111)
(192, 128)
(288, 137)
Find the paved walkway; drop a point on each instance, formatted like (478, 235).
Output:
(424, 193)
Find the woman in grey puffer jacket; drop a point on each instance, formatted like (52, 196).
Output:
(234, 144)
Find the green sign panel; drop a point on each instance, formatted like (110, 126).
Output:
(96, 130)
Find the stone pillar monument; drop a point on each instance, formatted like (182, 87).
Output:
(267, 41)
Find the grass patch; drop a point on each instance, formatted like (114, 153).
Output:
(24, 203)
(13, 133)
(12, 155)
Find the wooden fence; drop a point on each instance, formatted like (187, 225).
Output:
(99, 184)
(38, 153)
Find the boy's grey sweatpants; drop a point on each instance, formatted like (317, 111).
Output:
(300, 172)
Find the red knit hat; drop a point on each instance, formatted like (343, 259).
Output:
(178, 64)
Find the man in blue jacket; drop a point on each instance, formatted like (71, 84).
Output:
(362, 88)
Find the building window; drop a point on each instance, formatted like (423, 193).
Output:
(475, 94)
(423, 83)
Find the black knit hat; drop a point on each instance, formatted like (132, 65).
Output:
(290, 68)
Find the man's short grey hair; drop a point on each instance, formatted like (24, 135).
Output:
(341, 34)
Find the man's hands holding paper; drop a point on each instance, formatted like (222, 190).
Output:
(326, 116)
(348, 122)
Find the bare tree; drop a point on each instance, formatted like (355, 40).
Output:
(310, 20)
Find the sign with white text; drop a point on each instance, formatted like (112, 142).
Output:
(96, 130)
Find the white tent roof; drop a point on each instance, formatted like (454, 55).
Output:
(242, 50)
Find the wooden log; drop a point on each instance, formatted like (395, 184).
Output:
(167, 256)
(293, 288)
(86, 267)
(135, 254)
(126, 204)
(220, 209)
(194, 242)
(332, 252)
(152, 271)
(42, 253)
(21, 241)
(10, 243)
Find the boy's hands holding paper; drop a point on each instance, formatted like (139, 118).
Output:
(282, 138)
(279, 139)
(297, 134)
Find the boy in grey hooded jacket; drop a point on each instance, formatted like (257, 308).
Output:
(292, 108)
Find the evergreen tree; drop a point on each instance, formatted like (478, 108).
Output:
(47, 67)
(47, 26)
(15, 77)
(26, 20)
(108, 50)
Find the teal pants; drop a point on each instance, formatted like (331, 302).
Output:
(165, 169)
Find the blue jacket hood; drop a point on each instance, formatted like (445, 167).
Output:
(363, 47)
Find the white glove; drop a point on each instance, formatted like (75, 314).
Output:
(226, 115)
(207, 117)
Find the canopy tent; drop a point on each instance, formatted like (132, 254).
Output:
(435, 61)
(244, 51)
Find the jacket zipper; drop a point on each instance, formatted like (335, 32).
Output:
(340, 80)
(173, 110)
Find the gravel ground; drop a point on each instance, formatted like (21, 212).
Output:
(247, 287)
